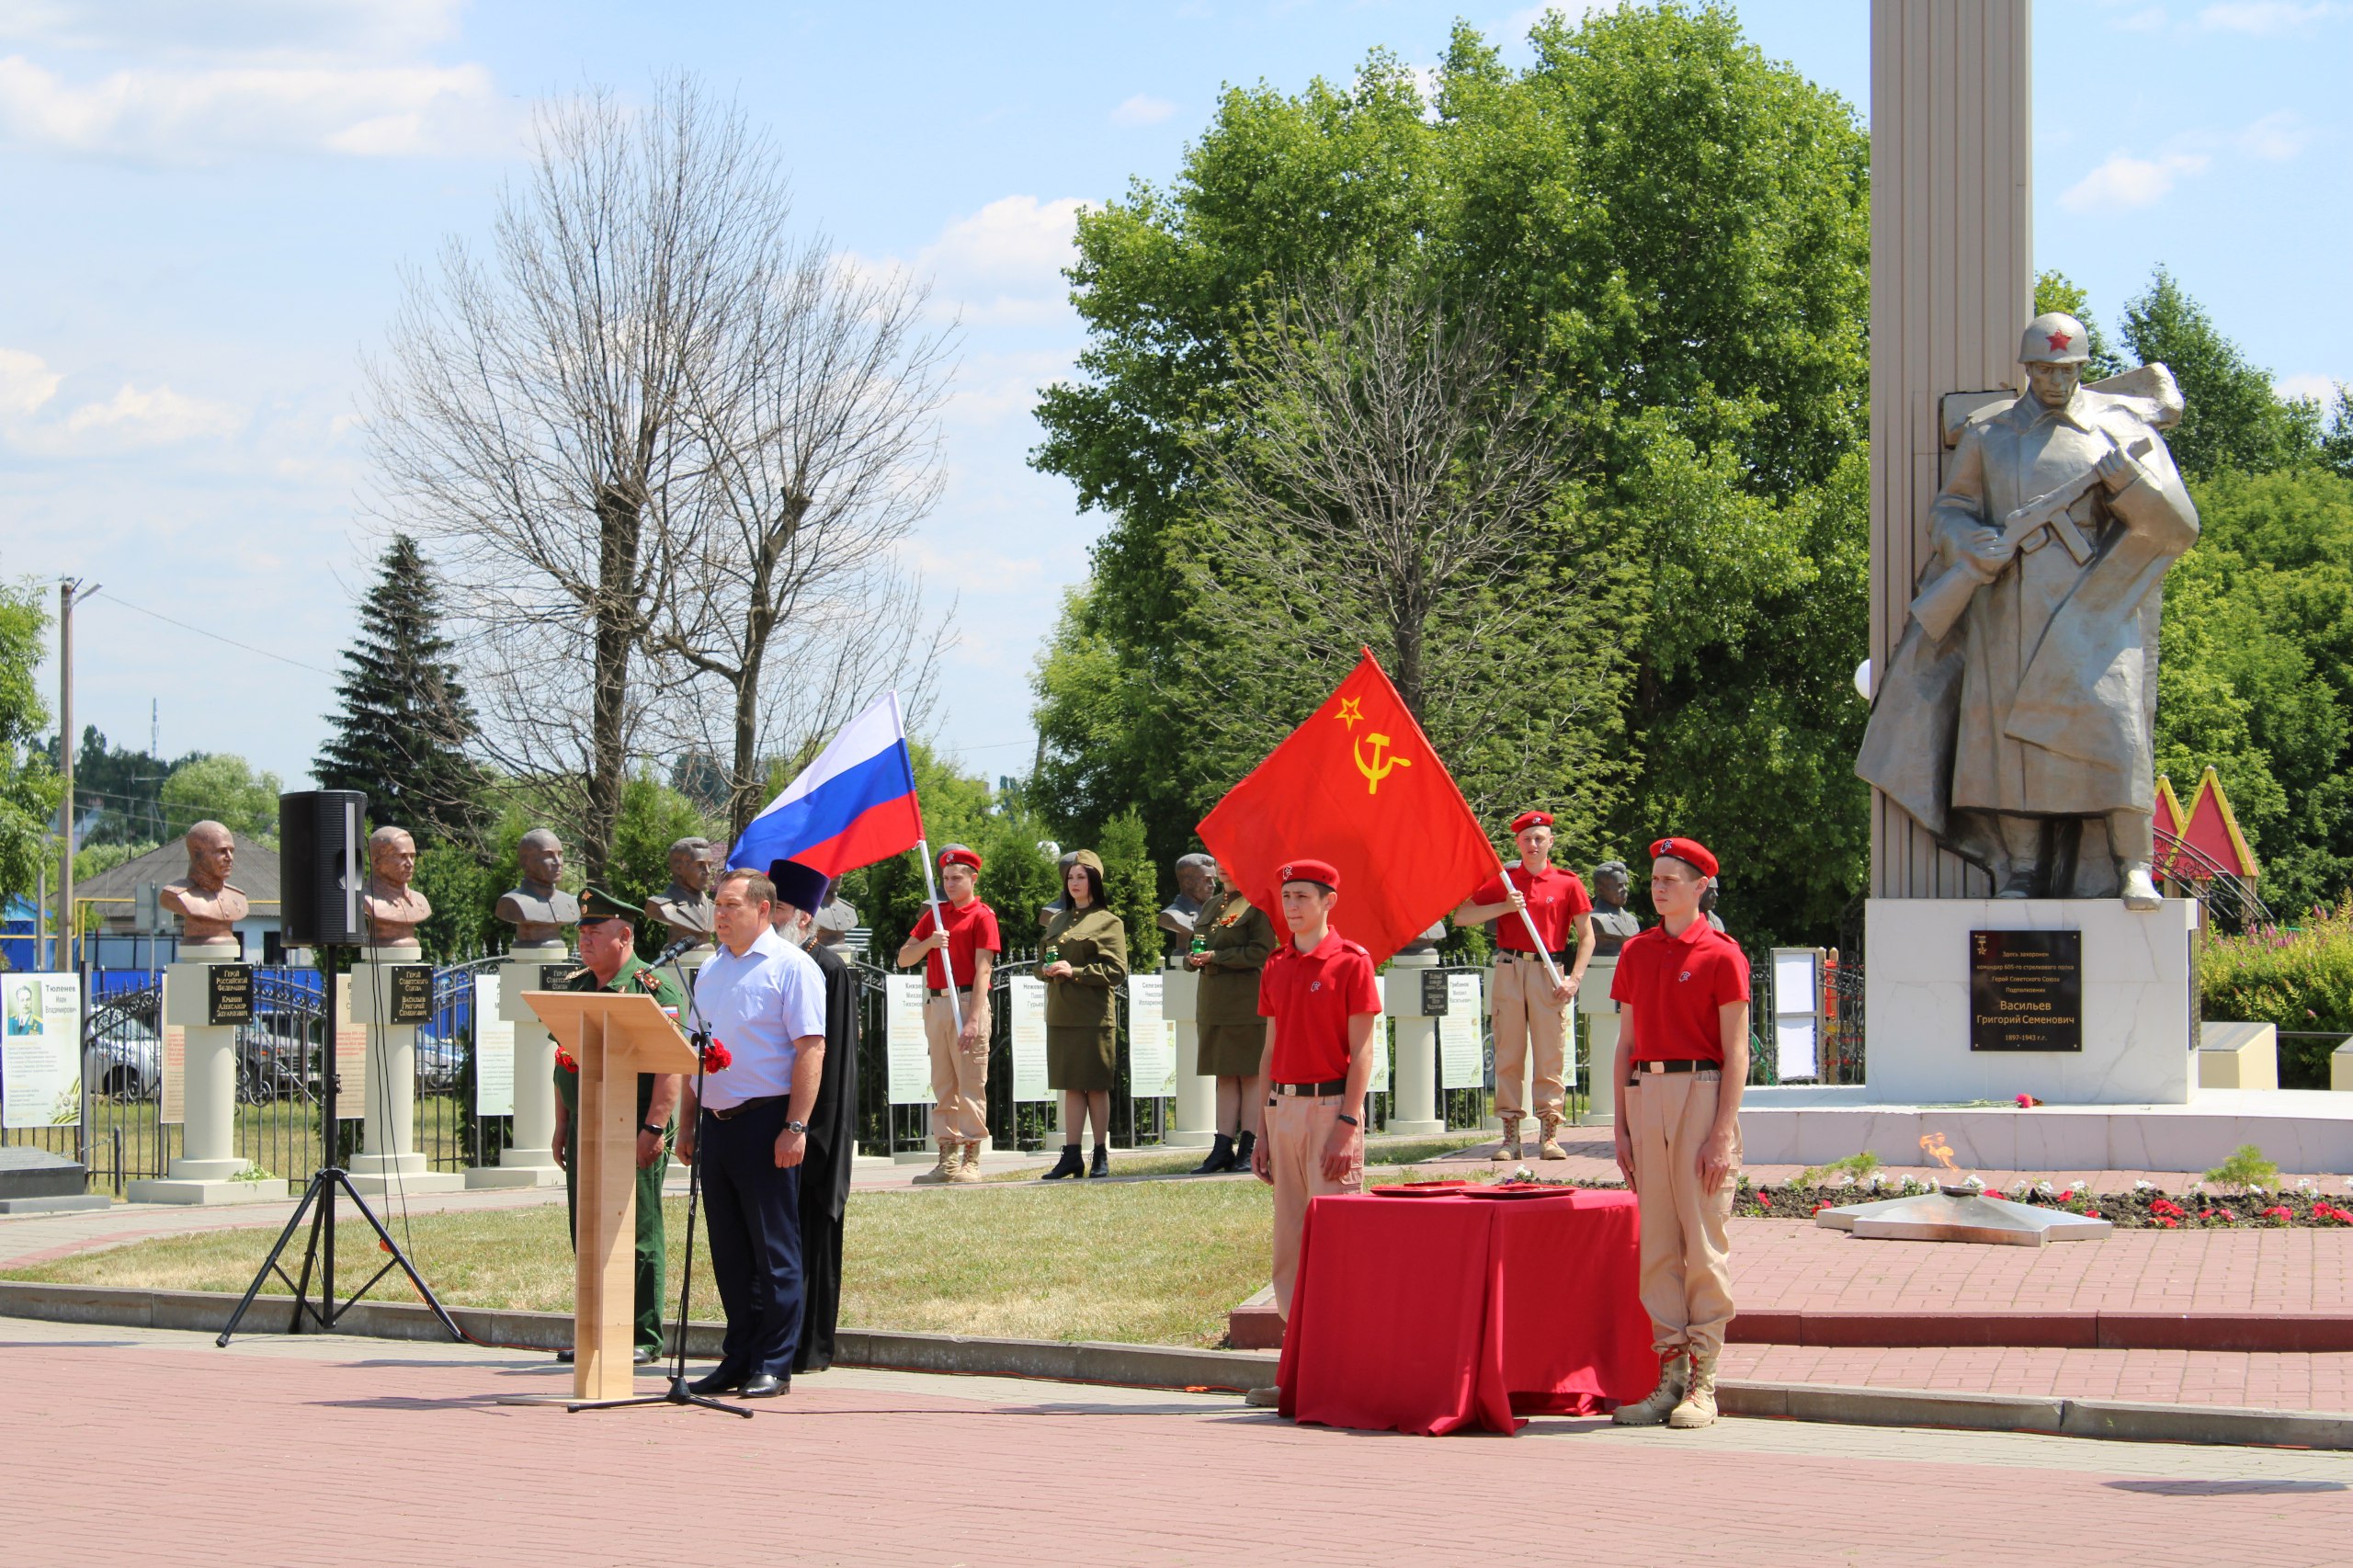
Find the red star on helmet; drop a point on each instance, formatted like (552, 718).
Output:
(2059, 340)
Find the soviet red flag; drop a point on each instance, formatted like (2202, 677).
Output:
(1358, 785)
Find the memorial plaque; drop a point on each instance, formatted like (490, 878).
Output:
(1433, 994)
(557, 976)
(411, 993)
(2026, 991)
(229, 993)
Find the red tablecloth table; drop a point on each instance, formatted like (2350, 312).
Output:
(1427, 1315)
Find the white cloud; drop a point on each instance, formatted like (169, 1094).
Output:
(243, 28)
(2127, 181)
(2264, 17)
(2321, 389)
(133, 417)
(2279, 135)
(1013, 239)
(25, 382)
(194, 115)
(1142, 109)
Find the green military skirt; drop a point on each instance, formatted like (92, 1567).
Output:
(1081, 1057)
(1233, 1051)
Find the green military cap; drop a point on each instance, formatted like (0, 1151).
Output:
(595, 903)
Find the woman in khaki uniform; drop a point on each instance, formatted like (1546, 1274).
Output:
(1231, 939)
(1086, 954)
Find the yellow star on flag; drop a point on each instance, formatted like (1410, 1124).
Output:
(1351, 710)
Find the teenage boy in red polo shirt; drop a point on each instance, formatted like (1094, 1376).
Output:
(1682, 1057)
(1317, 997)
(959, 1058)
(1526, 1005)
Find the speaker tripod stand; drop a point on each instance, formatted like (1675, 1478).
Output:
(318, 1201)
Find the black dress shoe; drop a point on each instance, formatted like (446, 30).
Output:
(721, 1381)
(643, 1356)
(564, 1356)
(765, 1385)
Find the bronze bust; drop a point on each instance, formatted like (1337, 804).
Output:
(685, 906)
(207, 907)
(394, 908)
(536, 907)
(1613, 923)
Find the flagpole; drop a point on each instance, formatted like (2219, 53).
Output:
(947, 960)
(1550, 973)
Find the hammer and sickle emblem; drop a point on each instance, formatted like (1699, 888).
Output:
(1382, 765)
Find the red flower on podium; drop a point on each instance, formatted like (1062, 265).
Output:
(563, 1060)
(716, 1058)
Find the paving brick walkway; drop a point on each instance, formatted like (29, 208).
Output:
(2260, 1381)
(159, 1448)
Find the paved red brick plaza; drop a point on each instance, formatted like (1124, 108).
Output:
(155, 1448)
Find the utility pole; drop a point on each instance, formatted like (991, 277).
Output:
(66, 588)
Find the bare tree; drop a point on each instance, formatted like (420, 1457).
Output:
(534, 417)
(1385, 475)
(818, 437)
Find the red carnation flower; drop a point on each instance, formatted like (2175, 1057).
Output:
(716, 1058)
(2167, 1223)
(563, 1060)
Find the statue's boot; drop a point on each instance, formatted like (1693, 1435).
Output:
(2140, 887)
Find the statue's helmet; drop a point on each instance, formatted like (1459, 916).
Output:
(2054, 337)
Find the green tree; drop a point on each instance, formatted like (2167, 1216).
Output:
(405, 722)
(29, 787)
(652, 817)
(1668, 228)
(224, 788)
(2234, 419)
(2256, 678)
(119, 789)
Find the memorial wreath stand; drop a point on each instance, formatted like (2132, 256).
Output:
(614, 1037)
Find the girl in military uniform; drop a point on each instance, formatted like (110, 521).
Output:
(1232, 938)
(1086, 948)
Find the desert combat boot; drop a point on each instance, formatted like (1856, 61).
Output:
(1699, 1406)
(1549, 1139)
(952, 1156)
(968, 1168)
(1664, 1399)
(1510, 1147)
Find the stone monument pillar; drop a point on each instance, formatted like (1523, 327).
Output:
(379, 994)
(1194, 1112)
(539, 960)
(1413, 1104)
(1613, 924)
(208, 1165)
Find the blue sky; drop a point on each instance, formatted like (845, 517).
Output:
(209, 208)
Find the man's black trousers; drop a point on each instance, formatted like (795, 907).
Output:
(754, 1211)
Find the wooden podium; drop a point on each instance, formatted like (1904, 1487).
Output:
(614, 1036)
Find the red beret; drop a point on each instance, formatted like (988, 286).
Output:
(957, 855)
(1321, 871)
(1689, 850)
(1526, 820)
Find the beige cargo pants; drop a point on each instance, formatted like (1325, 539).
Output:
(1686, 1258)
(1526, 1015)
(1297, 1129)
(960, 1078)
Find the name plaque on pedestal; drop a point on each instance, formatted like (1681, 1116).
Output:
(229, 993)
(2026, 991)
(412, 997)
(1434, 994)
(557, 976)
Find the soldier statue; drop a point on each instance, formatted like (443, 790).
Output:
(1613, 923)
(209, 907)
(1196, 881)
(2014, 720)
(393, 906)
(685, 907)
(535, 907)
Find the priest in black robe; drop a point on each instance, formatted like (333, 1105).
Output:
(833, 1121)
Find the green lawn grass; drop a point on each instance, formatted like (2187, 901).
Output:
(1146, 1262)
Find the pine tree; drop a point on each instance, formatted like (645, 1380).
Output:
(406, 721)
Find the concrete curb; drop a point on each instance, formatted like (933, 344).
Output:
(1168, 1367)
(2273, 1332)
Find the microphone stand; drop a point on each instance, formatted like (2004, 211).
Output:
(698, 1033)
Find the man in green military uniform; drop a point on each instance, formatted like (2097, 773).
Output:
(609, 962)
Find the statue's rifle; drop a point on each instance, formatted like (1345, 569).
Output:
(1940, 604)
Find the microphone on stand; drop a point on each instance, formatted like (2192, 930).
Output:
(682, 944)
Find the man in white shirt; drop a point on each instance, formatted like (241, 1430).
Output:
(765, 1001)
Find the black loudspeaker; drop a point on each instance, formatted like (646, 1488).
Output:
(320, 866)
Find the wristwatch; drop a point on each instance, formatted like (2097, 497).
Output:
(796, 1127)
(1349, 1119)
(649, 1127)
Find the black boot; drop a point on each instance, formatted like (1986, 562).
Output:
(1221, 1157)
(1243, 1147)
(1068, 1165)
(1102, 1167)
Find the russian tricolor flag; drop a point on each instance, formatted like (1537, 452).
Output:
(855, 805)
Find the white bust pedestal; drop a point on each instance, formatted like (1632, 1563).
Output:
(388, 1136)
(1196, 1108)
(1413, 1107)
(689, 963)
(1600, 1019)
(207, 1164)
(530, 1159)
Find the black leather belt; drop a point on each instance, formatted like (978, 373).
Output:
(1312, 1091)
(732, 1112)
(1561, 959)
(931, 996)
(1678, 1065)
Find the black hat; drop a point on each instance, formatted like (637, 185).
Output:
(803, 887)
(595, 905)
